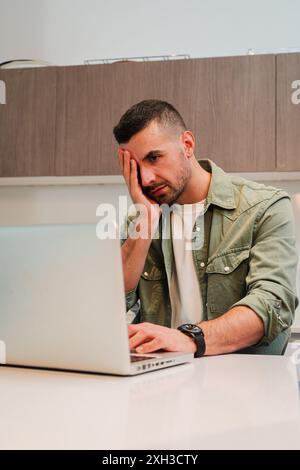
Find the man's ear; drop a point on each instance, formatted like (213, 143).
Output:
(189, 143)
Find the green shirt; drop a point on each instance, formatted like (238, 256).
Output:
(248, 258)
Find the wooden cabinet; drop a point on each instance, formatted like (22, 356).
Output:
(227, 102)
(288, 112)
(27, 122)
(59, 120)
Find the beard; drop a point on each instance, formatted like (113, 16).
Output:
(173, 190)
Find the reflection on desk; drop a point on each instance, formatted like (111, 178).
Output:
(222, 402)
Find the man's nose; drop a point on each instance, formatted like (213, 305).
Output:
(147, 177)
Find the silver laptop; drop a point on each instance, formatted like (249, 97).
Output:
(62, 302)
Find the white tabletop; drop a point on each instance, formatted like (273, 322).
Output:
(224, 402)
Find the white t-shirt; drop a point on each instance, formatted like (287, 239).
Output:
(185, 295)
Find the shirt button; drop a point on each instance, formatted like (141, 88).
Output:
(202, 264)
(226, 268)
(145, 273)
(198, 229)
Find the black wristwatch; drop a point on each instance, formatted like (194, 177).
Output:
(195, 332)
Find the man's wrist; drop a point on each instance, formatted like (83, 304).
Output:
(192, 343)
(197, 335)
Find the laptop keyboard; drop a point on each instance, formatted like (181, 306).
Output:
(134, 358)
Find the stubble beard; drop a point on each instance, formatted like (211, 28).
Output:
(174, 192)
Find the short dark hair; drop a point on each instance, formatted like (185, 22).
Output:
(141, 114)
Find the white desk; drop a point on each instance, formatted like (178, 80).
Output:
(233, 401)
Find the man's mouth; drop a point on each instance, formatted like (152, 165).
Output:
(158, 190)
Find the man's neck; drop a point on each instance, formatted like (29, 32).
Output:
(198, 185)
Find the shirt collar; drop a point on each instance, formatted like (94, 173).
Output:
(220, 192)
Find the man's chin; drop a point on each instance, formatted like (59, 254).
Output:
(165, 199)
(169, 197)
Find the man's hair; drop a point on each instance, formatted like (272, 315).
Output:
(140, 115)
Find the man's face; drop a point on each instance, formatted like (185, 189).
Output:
(164, 168)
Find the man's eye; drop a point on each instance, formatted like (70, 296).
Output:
(153, 159)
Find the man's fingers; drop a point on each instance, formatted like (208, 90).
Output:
(139, 338)
(133, 174)
(133, 329)
(151, 346)
(135, 187)
(126, 168)
(130, 173)
(121, 163)
(150, 328)
(140, 334)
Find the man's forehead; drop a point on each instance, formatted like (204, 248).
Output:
(153, 138)
(152, 133)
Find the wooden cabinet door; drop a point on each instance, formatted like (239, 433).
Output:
(90, 102)
(229, 104)
(87, 108)
(288, 112)
(27, 122)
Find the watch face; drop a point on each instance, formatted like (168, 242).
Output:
(192, 328)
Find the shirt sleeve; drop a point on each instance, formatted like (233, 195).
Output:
(271, 279)
(131, 298)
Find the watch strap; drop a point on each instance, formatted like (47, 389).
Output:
(197, 337)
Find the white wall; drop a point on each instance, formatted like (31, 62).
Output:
(70, 31)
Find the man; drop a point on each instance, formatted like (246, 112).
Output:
(233, 292)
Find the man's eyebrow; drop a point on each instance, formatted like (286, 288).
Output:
(153, 153)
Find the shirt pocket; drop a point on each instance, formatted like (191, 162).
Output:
(226, 280)
(153, 273)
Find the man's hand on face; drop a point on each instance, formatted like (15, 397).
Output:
(148, 337)
(130, 172)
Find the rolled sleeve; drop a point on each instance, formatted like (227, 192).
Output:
(131, 299)
(271, 279)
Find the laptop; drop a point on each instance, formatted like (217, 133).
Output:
(62, 303)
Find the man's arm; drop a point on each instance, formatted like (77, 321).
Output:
(271, 279)
(135, 248)
(134, 253)
(236, 329)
